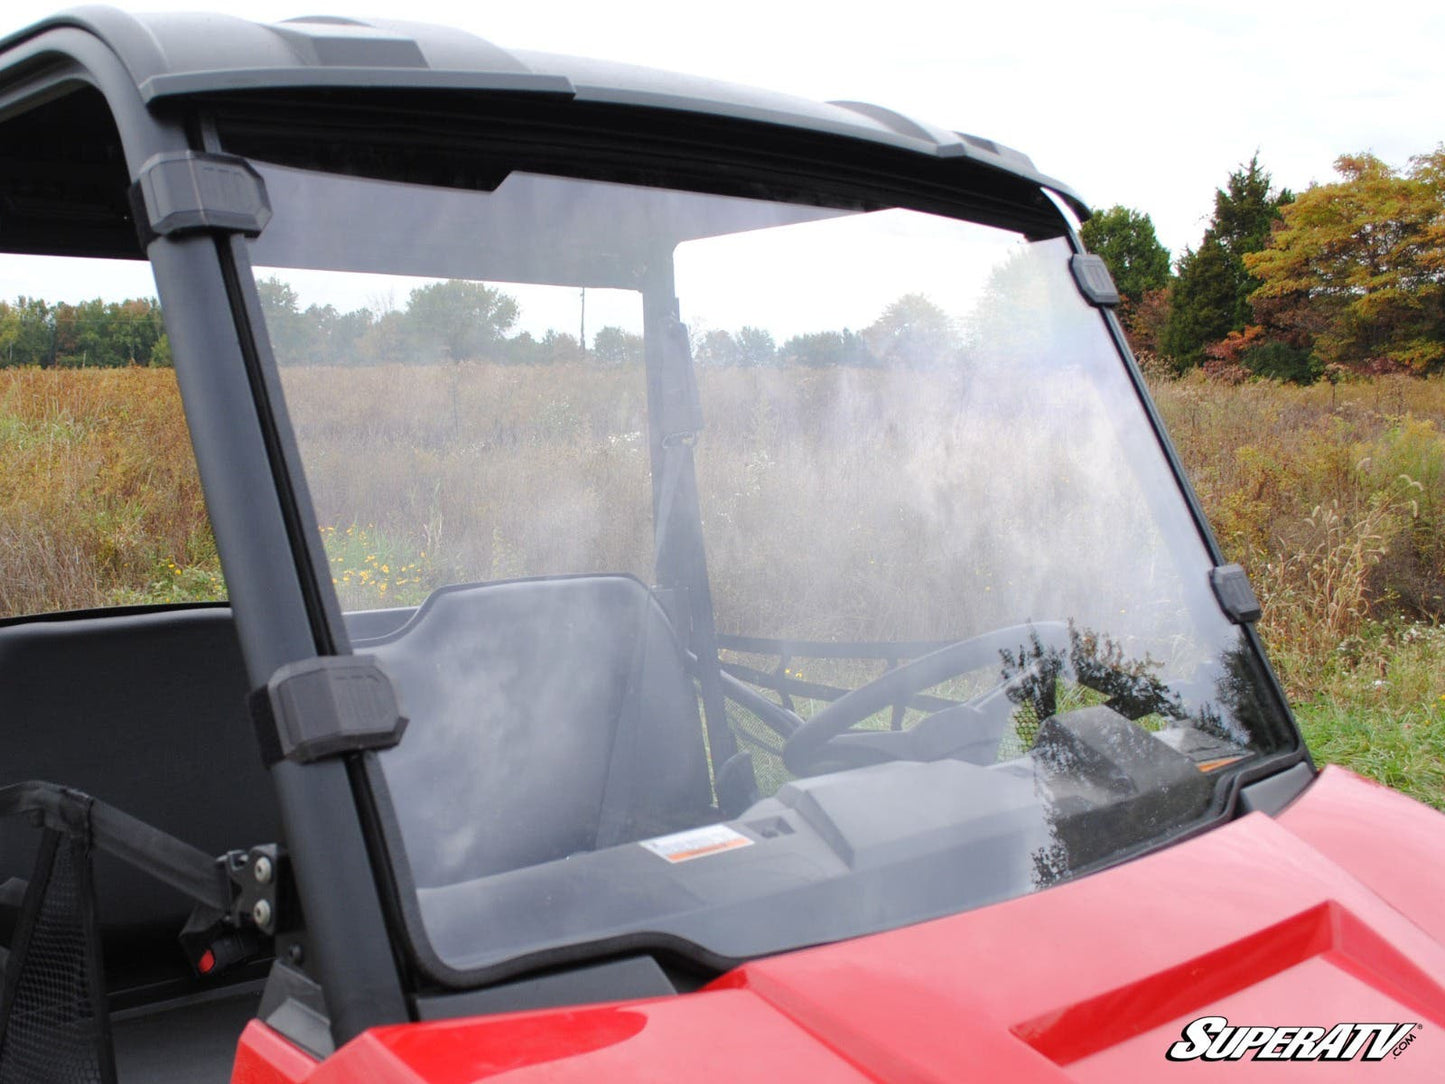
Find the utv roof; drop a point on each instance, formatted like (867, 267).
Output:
(172, 56)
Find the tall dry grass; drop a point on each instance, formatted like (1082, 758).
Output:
(838, 503)
(99, 499)
(1332, 497)
(475, 472)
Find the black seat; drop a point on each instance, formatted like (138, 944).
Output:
(548, 717)
(146, 711)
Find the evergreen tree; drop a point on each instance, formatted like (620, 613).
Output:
(1201, 304)
(1126, 241)
(1211, 295)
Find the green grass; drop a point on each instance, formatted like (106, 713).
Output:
(173, 584)
(1405, 751)
(1378, 707)
(372, 570)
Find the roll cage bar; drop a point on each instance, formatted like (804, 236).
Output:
(208, 294)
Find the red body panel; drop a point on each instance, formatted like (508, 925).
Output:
(1333, 912)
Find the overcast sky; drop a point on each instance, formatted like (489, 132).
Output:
(1149, 105)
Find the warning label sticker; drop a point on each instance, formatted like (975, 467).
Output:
(697, 843)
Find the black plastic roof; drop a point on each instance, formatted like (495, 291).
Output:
(175, 55)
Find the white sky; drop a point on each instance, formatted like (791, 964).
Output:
(1149, 105)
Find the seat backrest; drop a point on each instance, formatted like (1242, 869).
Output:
(146, 711)
(548, 717)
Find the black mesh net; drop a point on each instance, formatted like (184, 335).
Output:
(53, 1025)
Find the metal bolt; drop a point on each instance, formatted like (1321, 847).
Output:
(296, 953)
(261, 913)
(262, 870)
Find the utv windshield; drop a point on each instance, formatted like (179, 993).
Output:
(753, 574)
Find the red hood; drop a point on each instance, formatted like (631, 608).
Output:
(1333, 912)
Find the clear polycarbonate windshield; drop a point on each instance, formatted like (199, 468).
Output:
(752, 574)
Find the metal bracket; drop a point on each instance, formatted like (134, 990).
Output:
(193, 191)
(261, 879)
(1091, 275)
(326, 706)
(261, 910)
(1236, 597)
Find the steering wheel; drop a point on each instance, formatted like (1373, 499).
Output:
(971, 729)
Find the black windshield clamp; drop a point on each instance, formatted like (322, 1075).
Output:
(1091, 275)
(192, 191)
(326, 706)
(1236, 597)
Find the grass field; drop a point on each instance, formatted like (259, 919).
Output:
(1332, 497)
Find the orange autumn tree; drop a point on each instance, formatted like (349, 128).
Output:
(1356, 270)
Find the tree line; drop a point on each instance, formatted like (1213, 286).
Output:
(100, 333)
(449, 321)
(1342, 278)
(458, 320)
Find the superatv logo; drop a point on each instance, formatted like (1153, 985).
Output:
(1214, 1038)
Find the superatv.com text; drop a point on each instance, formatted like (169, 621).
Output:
(1214, 1038)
